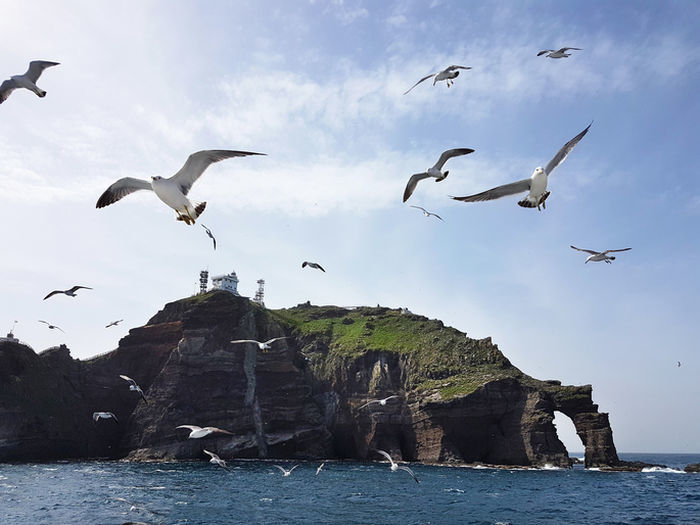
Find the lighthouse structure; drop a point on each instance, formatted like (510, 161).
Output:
(203, 281)
(227, 282)
(260, 294)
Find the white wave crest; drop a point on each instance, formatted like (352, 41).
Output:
(662, 469)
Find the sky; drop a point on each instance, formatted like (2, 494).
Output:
(318, 86)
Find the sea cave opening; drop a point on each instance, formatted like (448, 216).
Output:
(566, 432)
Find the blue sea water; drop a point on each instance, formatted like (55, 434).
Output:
(100, 492)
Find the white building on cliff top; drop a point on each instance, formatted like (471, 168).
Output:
(226, 282)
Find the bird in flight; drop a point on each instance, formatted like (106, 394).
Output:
(536, 184)
(96, 416)
(134, 387)
(27, 80)
(448, 75)
(114, 323)
(320, 467)
(600, 256)
(382, 402)
(435, 171)
(210, 234)
(216, 460)
(173, 191)
(199, 432)
(395, 467)
(427, 213)
(267, 345)
(312, 265)
(679, 364)
(51, 326)
(70, 292)
(561, 53)
(286, 472)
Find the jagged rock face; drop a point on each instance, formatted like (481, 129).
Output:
(460, 400)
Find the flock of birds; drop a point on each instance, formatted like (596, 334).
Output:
(174, 190)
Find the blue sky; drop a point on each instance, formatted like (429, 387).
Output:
(318, 87)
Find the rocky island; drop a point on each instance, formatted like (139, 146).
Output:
(459, 399)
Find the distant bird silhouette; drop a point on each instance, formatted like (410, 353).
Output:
(210, 234)
(133, 386)
(52, 326)
(200, 432)
(114, 323)
(286, 472)
(679, 363)
(448, 75)
(320, 467)
(561, 53)
(435, 171)
(312, 265)
(96, 416)
(600, 256)
(27, 80)
(395, 467)
(267, 345)
(427, 213)
(70, 292)
(216, 460)
(382, 402)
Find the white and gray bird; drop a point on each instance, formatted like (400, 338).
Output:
(200, 432)
(427, 213)
(70, 292)
(600, 256)
(265, 346)
(210, 234)
(286, 472)
(27, 80)
(382, 402)
(561, 53)
(536, 184)
(216, 460)
(52, 326)
(96, 416)
(173, 191)
(114, 323)
(435, 172)
(134, 387)
(312, 265)
(448, 75)
(395, 467)
(320, 467)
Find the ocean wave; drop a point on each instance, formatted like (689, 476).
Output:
(662, 469)
(460, 491)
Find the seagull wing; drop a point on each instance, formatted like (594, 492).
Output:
(412, 183)
(564, 151)
(110, 414)
(620, 250)
(290, 470)
(36, 68)
(367, 404)
(283, 470)
(545, 51)
(127, 378)
(390, 397)
(386, 455)
(421, 80)
(190, 427)
(200, 161)
(122, 188)
(245, 341)
(452, 68)
(270, 341)
(6, 88)
(584, 250)
(210, 453)
(419, 208)
(214, 429)
(76, 288)
(564, 49)
(138, 389)
(498, 192)
(402, 467)
(447, 155)
(44, 322)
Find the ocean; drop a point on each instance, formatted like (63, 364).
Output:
(252, 492)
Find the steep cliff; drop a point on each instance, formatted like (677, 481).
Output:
(459, 399)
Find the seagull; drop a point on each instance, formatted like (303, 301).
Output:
(210, 234)
(104, 415)
(52, 326)
(28, 80)
(267, 345)
(435, 171)
(395, 467)
(70, 292)
(600, 256)
(312, 265)
(679, 364)
(320, 467)
(380, 401)
(173, 191)
(427, 213)
(562, 53)
(447, 74)
(216, 460)
(199, 432)
(133, 386)
(114, 323)
(286, 472)
(537, 184)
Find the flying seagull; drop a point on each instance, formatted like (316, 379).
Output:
(561, 53)
(600, 256)
(395, 467)
(537, 184)
(447, 74)
(70, 292)
(51, 326)
(210, 234)
(267, 345)
(216, 460)
(199, 432)
(133, 386)
(380, 401)
(427, 213)
(312, 265)
(28, 80)
(435, 171)
(320, 467)
(173, 191)
(286, 472)
(114, 323)
(104, 415)
(679, 364)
